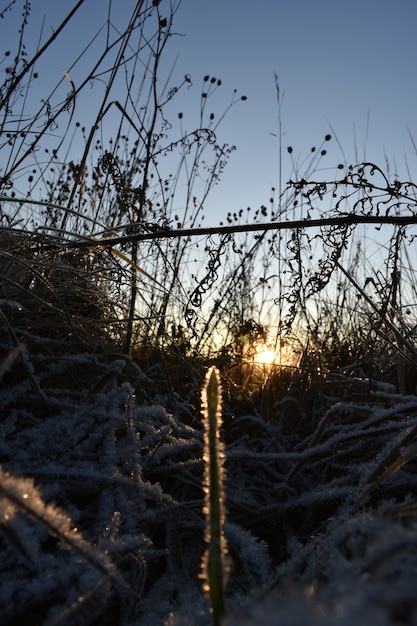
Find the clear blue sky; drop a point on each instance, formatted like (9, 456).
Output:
(348, 65)
(339, 63)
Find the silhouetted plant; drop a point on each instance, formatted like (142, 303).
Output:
(102, 448)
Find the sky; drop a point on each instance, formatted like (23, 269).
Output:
(344, 69)
(349, 67)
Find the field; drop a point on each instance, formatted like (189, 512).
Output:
(102, 496)
(114, 304)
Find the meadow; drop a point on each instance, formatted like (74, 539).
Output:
(118, 504)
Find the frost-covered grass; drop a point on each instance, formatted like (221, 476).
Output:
(104, 350)
(102, 484)
(102, 498)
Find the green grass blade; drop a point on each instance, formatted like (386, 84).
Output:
(214, 568)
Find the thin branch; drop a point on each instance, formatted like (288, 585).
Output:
(400, 220)
(12, 88)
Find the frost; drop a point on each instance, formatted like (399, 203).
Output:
(251, 556)
(101, 504)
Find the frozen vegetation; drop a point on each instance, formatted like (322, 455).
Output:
(115, 298)
(102, 500)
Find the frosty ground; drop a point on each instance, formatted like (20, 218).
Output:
(102, 503)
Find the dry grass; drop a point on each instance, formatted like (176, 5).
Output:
(103, 353)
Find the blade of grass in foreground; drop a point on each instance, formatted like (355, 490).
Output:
(214, 568)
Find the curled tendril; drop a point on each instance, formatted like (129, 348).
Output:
(215, 253)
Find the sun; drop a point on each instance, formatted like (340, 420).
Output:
(265, 356)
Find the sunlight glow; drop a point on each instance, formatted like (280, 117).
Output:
(265, 357)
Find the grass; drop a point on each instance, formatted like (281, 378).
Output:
(114, 444)
(104, 350)
(214, 569)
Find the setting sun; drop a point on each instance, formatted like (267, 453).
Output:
(265, 357)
